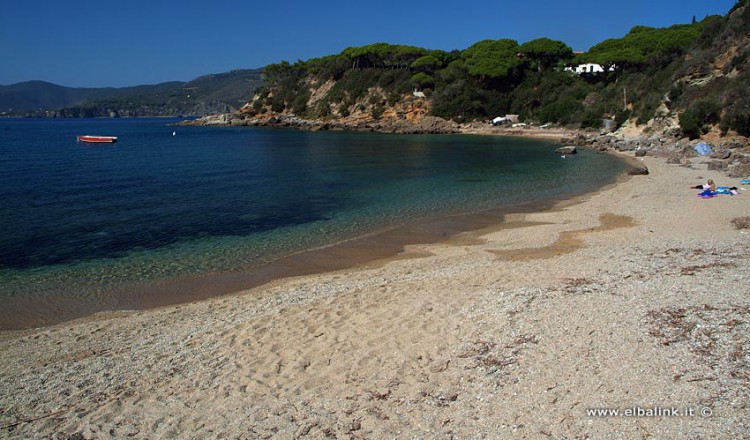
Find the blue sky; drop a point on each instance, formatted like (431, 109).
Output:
(106, 43)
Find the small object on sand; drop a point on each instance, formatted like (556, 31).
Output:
(703, 148)
(638, 171)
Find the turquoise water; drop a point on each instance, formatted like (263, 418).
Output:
(169, 201)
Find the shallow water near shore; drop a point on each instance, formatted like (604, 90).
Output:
(89, 228)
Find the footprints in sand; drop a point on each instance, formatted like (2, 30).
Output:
(368, 350)
(363, 355)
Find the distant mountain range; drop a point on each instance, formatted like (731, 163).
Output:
(215, 93)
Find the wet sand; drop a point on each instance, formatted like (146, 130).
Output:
(631, 297)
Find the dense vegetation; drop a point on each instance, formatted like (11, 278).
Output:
(497, 77)
(726, 98)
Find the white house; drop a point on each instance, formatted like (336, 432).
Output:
(591, 68)
(507, 119)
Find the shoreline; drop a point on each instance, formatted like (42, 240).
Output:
(388, 125)
(612, 305)
(377, 247)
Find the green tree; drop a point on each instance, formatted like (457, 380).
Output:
(427, 63)
(645, 45)
(383, 55)
(615, 52)
(422, 80)
(544, 52)
(493, 59)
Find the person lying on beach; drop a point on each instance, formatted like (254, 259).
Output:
(708, 185)
(708, 193)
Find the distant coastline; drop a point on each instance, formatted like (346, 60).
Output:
(214, 93)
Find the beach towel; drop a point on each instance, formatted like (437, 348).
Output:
(722, 190)
(707, 194)
(725, 190)
(745, 182)
(703, 149)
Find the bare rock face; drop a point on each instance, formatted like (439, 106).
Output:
(674, 159)
(567, 150)
(580, 140)
(721, 154)
(638, 171)
(423, 125)
(742, 169)
(406, 118)
(732, 144)
(717, 165)
(729, 155)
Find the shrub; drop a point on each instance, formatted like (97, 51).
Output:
(591, 119)
(277, 104)
(693, 121)
(422, 80)
(737, 114)
(563, 111)
(675, 91)
(459, 100)
(377, 111)
(737, 119)
(621, 117)
(324, 109)
(300, 104)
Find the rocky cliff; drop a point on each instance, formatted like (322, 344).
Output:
(409, 115)
(715, 73)
(702, 96)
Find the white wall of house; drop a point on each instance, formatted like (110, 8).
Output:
(586, 68)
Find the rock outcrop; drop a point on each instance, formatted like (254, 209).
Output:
(567, 150)
(408, 117)
(730, 154)
(424, 125)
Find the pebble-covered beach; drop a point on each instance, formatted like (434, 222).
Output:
(633, 299)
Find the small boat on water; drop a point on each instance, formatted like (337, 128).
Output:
(97, 139)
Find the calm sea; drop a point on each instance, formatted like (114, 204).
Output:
(77, 220)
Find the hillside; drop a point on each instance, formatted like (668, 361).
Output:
(34, 95)
(685, 80)
(224, 92)
(41, 95)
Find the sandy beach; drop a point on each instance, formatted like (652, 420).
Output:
(550, 133)
(631, 299)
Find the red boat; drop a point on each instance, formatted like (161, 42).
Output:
(97, 139)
